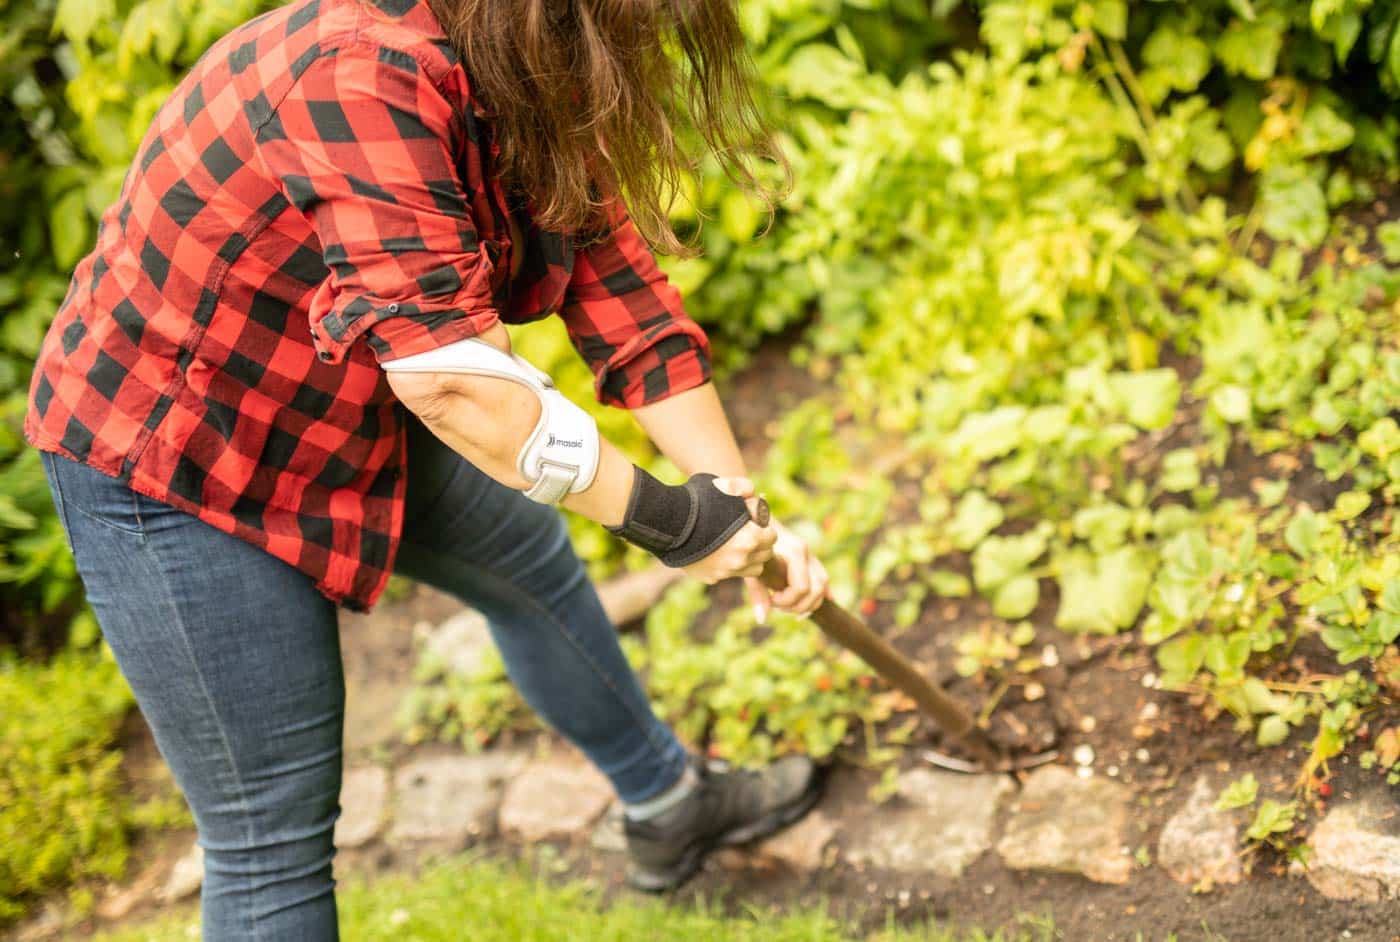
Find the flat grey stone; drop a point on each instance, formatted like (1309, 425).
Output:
(185, 877)
(801, 847)
(459, 643)
(941, 824)
(1068, 824)
(1199, 844)
(364, 793)
(449, 799)
(1356, 849)
(554, 797)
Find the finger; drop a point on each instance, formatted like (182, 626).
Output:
(761, 599)
(799, 581)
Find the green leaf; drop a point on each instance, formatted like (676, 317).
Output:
(1390, 595)
(1181, 658)
(1105, 526)
(1023, 634)
(1111, 18)
(1017, 598)
(1293, 206)
(1182, 58)
(1382, 439)
(69, 228)
(1250, 49)
(949, 584)
(1147, 398)
(739, 216)
(1238, 793)
(999, 559)
(1302, 533)
(1102, 594)
(1272, 818)
(1273, 729)
(79, 19)
(1385, 626)
(1180, 470)
(976, 516)
(1323, 131)
(1388, 235)
(986, 435)
(1231, 403)
(1351, 505)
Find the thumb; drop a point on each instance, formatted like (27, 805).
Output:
(735, 487)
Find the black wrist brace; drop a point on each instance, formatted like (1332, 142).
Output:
(680, 524)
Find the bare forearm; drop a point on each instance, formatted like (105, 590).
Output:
(692, 430)
(484, 424)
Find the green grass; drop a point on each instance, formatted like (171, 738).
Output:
(493, 902)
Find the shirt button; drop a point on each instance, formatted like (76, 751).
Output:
(324, 355)
(393, 309)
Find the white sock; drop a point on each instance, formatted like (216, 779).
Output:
(666, 800)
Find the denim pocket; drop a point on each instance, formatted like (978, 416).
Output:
(102, 499)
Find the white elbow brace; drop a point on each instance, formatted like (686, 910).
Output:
(561, 454)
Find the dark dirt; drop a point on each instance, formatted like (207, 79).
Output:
(1096, 695)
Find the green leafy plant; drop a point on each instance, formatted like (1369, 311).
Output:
(62, 808)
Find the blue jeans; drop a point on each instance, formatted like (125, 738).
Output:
(234, 658)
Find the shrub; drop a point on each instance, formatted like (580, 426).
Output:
(62, 809)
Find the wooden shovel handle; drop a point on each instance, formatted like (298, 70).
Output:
(857, 637)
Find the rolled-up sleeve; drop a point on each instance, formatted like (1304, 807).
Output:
(363, 144)
(628, 323)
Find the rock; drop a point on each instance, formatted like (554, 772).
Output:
(460, 642)
(1199, 843)
(554, 797)
(801, 847)
(1068, 824)
(118, 904)
(449, 799)
(608, 834)
(364, 792)
(185, 877)
(1356, 849)
(942, 823)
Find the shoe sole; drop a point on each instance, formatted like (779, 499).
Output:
(659, 881)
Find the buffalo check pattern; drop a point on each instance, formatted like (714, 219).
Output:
(317, 197)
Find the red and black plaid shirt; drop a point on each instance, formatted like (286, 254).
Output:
(317, 196)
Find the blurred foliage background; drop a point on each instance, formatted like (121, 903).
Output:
(1026, 238)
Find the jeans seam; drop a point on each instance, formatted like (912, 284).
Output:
(218, 723)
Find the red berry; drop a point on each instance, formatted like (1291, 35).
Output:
(1325, 790)
(867, 606)
(824, 683)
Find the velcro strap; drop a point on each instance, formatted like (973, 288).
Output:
(553, 483)
(680, 524)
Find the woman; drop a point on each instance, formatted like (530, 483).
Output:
(264, 392)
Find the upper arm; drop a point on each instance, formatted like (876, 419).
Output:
(629, 323)
(363, 145)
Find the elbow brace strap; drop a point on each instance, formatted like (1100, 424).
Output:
(561, 455)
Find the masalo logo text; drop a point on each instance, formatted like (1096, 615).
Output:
(564, 442)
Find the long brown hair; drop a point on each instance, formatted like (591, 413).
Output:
(594, 99)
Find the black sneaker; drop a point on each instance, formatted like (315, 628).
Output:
(728, 807)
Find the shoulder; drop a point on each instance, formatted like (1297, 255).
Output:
(404, 31)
